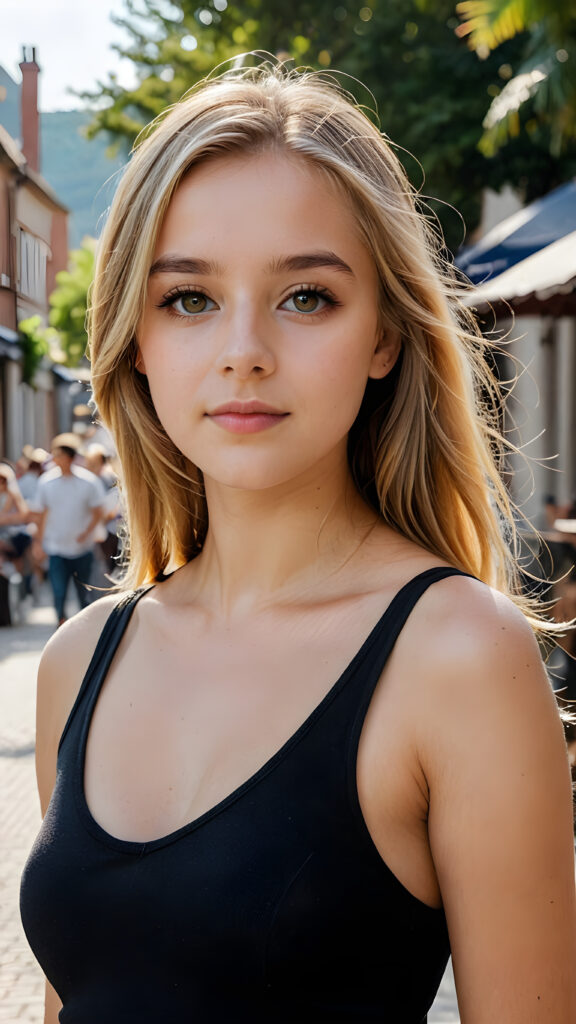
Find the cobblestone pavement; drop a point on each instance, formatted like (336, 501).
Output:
(21, 983)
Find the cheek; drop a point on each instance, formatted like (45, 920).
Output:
(348, 362)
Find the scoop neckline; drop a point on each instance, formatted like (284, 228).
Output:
(130, 846)
(139, 846)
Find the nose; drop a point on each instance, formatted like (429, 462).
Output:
(246, 350)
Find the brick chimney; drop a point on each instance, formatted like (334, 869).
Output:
(29, 117)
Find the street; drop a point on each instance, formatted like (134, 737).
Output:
(21, 983)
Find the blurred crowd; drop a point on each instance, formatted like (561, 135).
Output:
(60, 520)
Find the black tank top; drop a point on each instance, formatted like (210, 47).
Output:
(275, 906)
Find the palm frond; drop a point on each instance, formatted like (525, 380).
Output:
(487, 23)
(552, 88)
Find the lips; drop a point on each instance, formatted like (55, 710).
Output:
(246, 417)
(248, 407)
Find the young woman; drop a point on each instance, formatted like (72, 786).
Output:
(315, 748)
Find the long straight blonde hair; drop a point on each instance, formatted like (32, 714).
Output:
(425, 450)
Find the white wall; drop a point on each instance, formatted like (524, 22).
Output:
(540, 413)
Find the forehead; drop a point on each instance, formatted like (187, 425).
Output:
(271, 200)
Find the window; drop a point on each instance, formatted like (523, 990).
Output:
(32, 258)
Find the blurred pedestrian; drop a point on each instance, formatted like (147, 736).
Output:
(99, 462)
(14, 537)
(33, 460)
(70, 503)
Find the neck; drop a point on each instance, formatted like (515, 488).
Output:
(271, 546)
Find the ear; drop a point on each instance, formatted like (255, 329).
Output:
(385, 354)
(139, 363)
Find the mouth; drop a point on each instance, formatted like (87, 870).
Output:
(248, 417)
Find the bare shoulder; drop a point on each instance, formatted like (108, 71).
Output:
(68, 652)
(478, 689)
(463, 623)
(491, 748)
(62, 668)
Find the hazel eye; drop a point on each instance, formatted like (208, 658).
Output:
(192, 302)
(307, 300)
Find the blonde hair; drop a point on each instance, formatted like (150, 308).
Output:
(425, 449)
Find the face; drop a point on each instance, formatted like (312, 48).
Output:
(261, 327)
(94, 462)
(61, 459)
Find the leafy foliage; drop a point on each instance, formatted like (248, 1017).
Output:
(68, 302)
(544, 84)
(488, 23)
(430, 89)
(35, 341)
(64, 340)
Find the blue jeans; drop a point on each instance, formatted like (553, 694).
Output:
(61, 570)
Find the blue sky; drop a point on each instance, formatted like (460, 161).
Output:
(73, 40)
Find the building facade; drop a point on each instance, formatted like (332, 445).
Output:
(33, 248)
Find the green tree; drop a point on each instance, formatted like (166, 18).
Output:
(64, 339)
(69, 301)
(430, 89)
(541, 94)
(35, 346)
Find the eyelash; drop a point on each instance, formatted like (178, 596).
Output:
(168, 301)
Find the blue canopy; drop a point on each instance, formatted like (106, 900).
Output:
(526, 232)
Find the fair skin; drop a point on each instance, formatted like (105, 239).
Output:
(14, 512)
(462, 769)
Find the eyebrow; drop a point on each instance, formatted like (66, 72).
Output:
(310, 261)
(175, 264)
(183, 265)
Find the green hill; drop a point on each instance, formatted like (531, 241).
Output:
(79, 171)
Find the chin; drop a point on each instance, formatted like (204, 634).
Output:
(253, 477)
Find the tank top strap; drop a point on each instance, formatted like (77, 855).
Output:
(108, 641)
(379, 644)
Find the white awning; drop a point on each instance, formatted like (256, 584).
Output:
(548, 272)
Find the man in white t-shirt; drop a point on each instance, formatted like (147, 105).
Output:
(70, 501)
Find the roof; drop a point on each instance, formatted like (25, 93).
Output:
(537, 226)
(10, 148)
(545, 279)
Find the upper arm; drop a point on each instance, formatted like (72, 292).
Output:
(500, 818)
(21, 505)
(60, 674)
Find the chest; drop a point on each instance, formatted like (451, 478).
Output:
(179, 726)
(180, 723)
